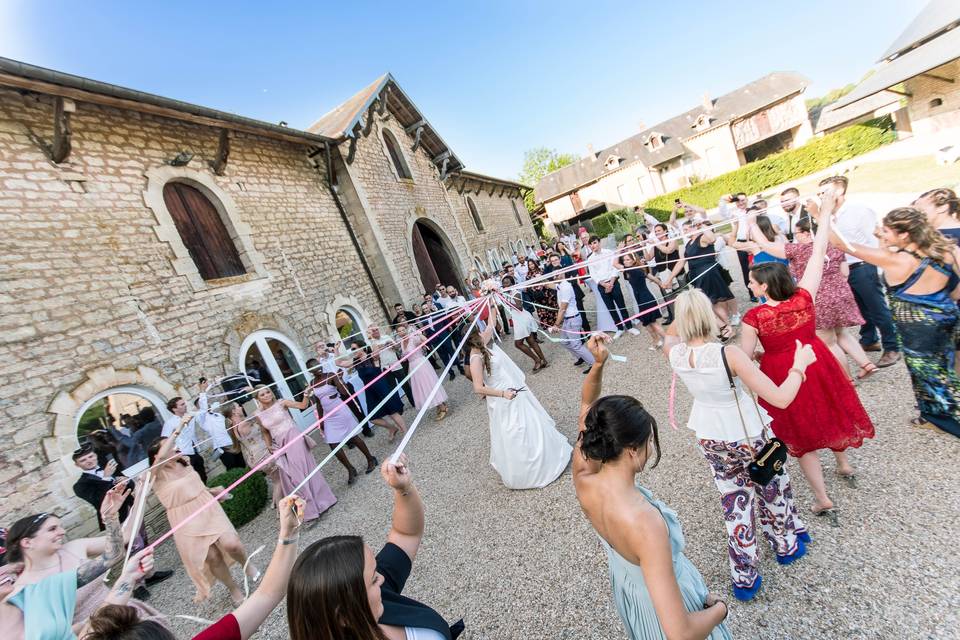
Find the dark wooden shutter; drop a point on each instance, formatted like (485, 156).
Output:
(421, 255)
(202, 231)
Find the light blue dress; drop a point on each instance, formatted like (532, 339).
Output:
(48, 607)
(630, 591)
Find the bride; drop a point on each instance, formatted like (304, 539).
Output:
(525, 447)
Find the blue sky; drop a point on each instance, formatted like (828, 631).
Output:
(495, 78)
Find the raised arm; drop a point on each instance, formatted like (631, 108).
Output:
(110, 546)
(134, 572)
(408, 522)
(814, 271)
(780, 395)
(255, 609)
(168, 445)
(492, 319)
(776, 249)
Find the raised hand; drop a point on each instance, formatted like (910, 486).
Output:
(109, 469)
(114, 500)
(597, 345)
(397, 475)
(291, 510)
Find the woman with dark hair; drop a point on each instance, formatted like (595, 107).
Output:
(422, 378)
(116, 622)
(920, 269)
(566, 260)
(338, 425)
(834, 305)
(340, 589)
(657, 591)
(942, 208)
(827, 414)
(543, 295)
(58, 587)
(524, 327)
(389, 416)
(729, 432)
(636, 272)
(704, 273)
(207, 543)
(763, 233)
(664, 254)
(525, 447)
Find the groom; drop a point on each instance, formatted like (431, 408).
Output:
(568, 321)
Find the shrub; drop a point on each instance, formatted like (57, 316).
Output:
(249, 497)
(607, 223)
(781, 167)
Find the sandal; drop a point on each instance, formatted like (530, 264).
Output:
(723, 336)
(393, 435)
(441, 414)
(867, 370)
(921, 423)
(537, 368)
(850, 478)
(830, 514)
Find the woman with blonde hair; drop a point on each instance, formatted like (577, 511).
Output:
(920, 269)
(730, 431)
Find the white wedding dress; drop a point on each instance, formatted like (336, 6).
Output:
(525, 447)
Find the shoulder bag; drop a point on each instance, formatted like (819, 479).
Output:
(770, 460)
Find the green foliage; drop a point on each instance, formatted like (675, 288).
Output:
(618, 222)
(249, 498)
(92, 418)
(540, 228)
(782, 167)
(538, 163)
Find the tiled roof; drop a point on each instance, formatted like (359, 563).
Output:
(732, 106)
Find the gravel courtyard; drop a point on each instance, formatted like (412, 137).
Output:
(526, 564)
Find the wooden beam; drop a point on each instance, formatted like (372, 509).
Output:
(416, 140)
(352, 151)
(442, 157)
(219, 164)
(493, 188)
(461, 186)
(416, 125)
(60, 149)
(79, 95)
(936, 77)
(368, 125)
(443, 169)
(900, 93)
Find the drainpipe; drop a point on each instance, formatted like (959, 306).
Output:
(334, 191)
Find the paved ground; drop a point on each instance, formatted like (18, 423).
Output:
(525, 564)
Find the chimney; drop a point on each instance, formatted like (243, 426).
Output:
(706, 102)
(593, 156)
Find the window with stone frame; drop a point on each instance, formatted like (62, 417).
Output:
(396, 156)
(203, 232)
(516, 213)
(477, 222)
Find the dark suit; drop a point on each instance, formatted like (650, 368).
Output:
(93, 489)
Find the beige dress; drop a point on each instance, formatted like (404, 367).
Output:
(181, 492)
(254, 450)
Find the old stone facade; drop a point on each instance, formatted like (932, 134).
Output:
(934, 102)
(101, 293)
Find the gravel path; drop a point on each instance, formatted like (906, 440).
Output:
(526, 564)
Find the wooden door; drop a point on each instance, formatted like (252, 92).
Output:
(202, 231)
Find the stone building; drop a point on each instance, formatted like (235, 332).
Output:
(923, 66)
(717, 136)
(148, 242)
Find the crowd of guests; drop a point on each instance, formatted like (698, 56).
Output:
(814, 273)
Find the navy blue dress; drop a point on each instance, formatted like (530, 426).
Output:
(379, 390)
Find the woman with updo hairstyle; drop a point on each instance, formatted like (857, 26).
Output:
(920, 272)
(657, 591)
(340, 590)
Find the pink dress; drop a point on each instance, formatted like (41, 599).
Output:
(424, 378)
(296, 462)
(336, 426)
(835, 305)
(182, 492)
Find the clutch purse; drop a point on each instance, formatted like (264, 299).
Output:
(771, 459)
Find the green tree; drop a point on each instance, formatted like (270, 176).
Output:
(538, 163)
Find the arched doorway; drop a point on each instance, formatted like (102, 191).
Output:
(271, 358)
(126, 408)
(434, 257)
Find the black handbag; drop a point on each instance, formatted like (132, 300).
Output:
(772, 458)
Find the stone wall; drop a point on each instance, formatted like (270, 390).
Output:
(501, 231)
(93, 297)
(926, 115)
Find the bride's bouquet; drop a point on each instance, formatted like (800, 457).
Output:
(489, 286)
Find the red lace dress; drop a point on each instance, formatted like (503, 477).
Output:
(826, 413)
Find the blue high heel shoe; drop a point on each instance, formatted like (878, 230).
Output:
(804, 537)
(796, 555)
(745, 594)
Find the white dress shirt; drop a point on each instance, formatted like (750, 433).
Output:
(734, 213)
(521, 270)
(387, 355)
(187, 437)
(214, 423)
(565, 294)
(600, 265)
(857, 223)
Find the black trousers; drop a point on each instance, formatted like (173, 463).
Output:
(196, 461)
(616, 305)
(232, 460)
(578, 295)
(744, 258)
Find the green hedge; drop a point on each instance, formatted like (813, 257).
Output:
(249, 498)
(781, 167)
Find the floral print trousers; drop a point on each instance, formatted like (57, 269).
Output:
(740, 497)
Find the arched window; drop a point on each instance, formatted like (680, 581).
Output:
(349, 324)
(396, 156)
(202, 230)
(936, 102)
(516, 213)
(477, 222)
(270, 358)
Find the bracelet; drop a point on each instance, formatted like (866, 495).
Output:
(803, 376)
(286, 541)
(726, 610)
